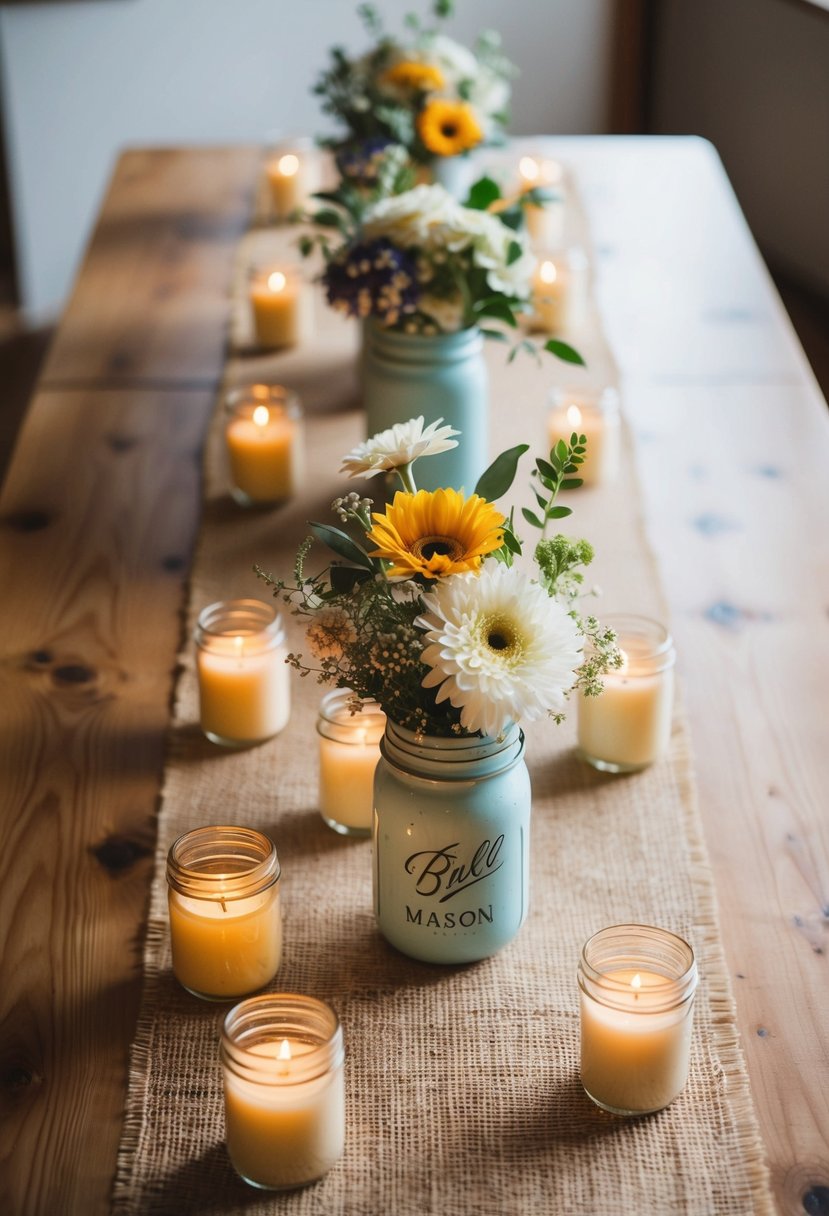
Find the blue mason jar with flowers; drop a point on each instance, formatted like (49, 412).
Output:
(427, 614)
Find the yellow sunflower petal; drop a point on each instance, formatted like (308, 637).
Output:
(435, 533)
(411, 74)
(447, 128)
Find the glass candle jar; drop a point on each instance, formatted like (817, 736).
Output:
(265, 444)
(636, 993)
(244, 689)
(225, 918)
(282, 1060)
(594, 413)
(628, 727)
(292, 171)
(349, 749)
(561, 291)
(279, 305)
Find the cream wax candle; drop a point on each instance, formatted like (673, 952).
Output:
(560, 292)
(349, 749)
(244, 689)
(628, 727)
(292, 171)
(265, 444)
(636, 992)
(278, 304)
(596, 415)
(282, 1061)
(225, 920)
(545, 219)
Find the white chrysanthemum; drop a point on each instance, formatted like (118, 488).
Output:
(400, 445)
(498, 647)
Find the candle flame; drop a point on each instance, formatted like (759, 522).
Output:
(573, 416)
(547, 272)
(284, 1050)
(261, 415)
(529, 168)
(288, 165)
(277, 281)
(636, 982)
(238, 646)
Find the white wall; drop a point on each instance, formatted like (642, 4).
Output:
(82, 80)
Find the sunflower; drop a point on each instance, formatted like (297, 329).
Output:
(435, 533)
(448, 127)
(409, 74)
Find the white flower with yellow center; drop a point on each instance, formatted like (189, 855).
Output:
(398, 446)
(498, 647)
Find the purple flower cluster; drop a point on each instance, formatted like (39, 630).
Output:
(372, 279)
(361, 162)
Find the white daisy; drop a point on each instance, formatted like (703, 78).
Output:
(398, 446)
(498, 647)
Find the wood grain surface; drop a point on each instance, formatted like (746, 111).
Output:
(97, 519)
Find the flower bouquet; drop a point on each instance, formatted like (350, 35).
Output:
(428, 614)
(431, 278)
(425, 92)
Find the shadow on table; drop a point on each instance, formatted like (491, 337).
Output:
(203, 1184)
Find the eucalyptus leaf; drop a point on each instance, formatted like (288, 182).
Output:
(341, 543)
(546, 469)
(559, 512)
(500, 475)
(531, 518)
(572, 483)
(561, 452)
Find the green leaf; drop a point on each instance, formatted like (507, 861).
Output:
(531, 518)
(346, 578)
(561, 452)
(563, 351)
(495, 306)
(514, 251)
(500, 475)
(326, 217)
(546, 469)
(512, 217)
(511, 541)
(559, 512)
(572, 483)
(482, 194)
(541, 500)
(341, 543)
(496, 335)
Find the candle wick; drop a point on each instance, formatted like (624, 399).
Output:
(224, 905)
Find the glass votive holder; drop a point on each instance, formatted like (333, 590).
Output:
(292, 172)
(628, 726)
(540, 172)
(349, 749)
(596, 414)
(279, 305)
(636, 996)
(225, 917)
(561, 291)
(282, 1060)
(264, 436)
(243, 680)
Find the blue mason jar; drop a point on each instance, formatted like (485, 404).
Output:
(451, 841)
(436, 376)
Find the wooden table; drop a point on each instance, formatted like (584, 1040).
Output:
(97, 521)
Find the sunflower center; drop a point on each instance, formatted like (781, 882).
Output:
(449, 130)
(427, 547)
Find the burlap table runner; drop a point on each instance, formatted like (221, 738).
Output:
(462, 1082)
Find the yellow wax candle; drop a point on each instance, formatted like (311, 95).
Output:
(244, 689)
(225, 948)
(264, 445)
(597, 417)
(284, 1095)
(349, 749)
(545, 219)
(225, 920)
(560, 293)
(636, 992)
(628, 726)
(276, 298)
(291, 179)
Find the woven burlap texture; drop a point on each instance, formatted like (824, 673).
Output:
(462, 1082)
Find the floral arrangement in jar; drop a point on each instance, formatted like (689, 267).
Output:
(423, 91)
(427, 612)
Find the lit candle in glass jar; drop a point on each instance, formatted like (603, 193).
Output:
(244, 689)
(264, 437)
(282, 1061)
(292, 171)
(349, 749)
(594, 413)
(277, 300)
(225, 919)
(561, 287)
(545, 217)
(628, 726)
(636, 995)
